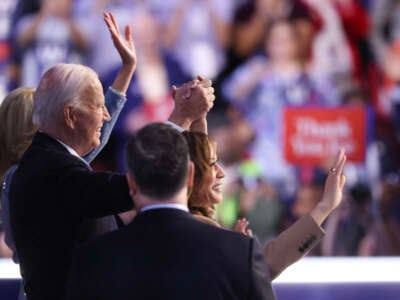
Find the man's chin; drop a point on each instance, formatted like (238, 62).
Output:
(95, 144)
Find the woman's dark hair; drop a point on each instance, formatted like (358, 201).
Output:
(200, 154)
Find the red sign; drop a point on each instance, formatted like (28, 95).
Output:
(4, 51)
(313, 134)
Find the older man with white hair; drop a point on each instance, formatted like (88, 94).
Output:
(54, 190)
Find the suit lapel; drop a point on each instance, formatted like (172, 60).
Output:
(89, 228)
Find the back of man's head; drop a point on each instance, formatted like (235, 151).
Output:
(158, 158)
(61, 84)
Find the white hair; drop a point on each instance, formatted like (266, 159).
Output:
(60, 85)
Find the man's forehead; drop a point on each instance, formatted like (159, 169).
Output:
(94, 90)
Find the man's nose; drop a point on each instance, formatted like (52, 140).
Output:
(106, 114)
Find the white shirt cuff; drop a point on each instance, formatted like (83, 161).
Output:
(175, 126)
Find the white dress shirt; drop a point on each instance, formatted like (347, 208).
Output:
(73, 152)
(166, 205)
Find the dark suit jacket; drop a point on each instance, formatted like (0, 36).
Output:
(51, 194)
(168, 254)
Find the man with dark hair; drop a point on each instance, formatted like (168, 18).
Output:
(151, 159)
(165, 253)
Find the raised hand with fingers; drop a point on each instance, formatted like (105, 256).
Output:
(124, 44)
(126, 49)
(241, 227)
(193, 100)
(333, 189)
(335, 181)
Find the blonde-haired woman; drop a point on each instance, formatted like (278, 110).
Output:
(17, 128)
(16, 132)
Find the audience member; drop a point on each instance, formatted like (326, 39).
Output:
(247, 31)
(368, 172)
(330, 53)
(101, 56)
(233, 134)
(261, 206)
(306, 19)
(385, 26)
(350, 224)
(198, 33)
(263, 87)
(384, 237)
(387, 111)
(356, 23)
(307, 196)
(23, 8)
(48, 37)
(7, 10)
(149, 91)
(165, 253)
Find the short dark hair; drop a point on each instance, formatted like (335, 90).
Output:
(158, 157)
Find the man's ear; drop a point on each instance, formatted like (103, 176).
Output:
(132, 184)
(69, 116)
(190, 180)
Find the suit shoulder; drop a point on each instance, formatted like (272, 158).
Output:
(223, 235)
(49, 157)
(101, 244)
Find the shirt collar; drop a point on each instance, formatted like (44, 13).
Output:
(165, 205)
(175, 126)
(73, 152)
(69, 148)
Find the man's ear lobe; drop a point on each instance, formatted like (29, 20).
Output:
(132, 184)
(69, 116)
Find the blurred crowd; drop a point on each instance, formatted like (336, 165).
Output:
(263, 56)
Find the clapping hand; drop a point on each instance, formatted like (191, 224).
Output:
(241, 227)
